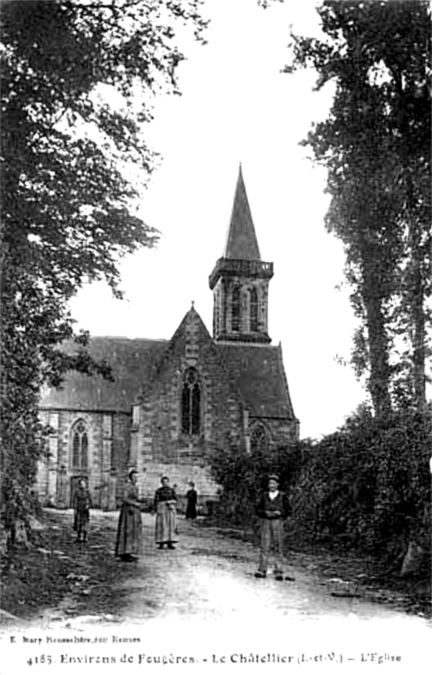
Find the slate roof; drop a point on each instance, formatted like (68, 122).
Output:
(259, 374)
(242, 243)
(132, 362)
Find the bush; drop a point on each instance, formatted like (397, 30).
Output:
(243, 475)
(366, 486)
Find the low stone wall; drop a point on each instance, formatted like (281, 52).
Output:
(180, 475)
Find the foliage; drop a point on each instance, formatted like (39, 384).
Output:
(369, 482)
(244, 475)
(78, 79)
(376, 147)
(366, 486)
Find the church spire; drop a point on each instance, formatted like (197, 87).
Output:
(242, 243)
(240, 280)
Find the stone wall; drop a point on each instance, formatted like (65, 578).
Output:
(223, 303)
(180, 475)
(108, 448)
(158, 437)
(281, 432)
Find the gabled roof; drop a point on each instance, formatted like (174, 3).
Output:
(132, 362)
(242, 243)
(260, 376)
(193, 320)
(256, 372)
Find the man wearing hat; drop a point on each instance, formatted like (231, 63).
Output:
(272, 509)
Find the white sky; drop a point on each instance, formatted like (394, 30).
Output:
(238, 106)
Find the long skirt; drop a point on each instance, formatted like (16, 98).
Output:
(191, 512)
(129, 531)
(166, 524)
(81, 520)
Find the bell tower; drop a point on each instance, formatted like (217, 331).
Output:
(240, 280)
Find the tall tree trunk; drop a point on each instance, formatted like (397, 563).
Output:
(416, 292)
(416, 288)
(416, 295)
(379, 381)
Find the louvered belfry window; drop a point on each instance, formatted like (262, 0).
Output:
(235, 309)
(191, 403)
(254, 310)
(79, 446)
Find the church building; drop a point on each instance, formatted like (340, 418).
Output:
(174, 403)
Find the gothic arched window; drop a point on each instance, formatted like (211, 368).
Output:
(191, 403)
(253, 310)
(235, 309)
(259, 439)
(79, 446)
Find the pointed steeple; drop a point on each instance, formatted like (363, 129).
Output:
(240, 280)
(242, 243)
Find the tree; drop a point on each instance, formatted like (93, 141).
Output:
(376, 147)
(78, 79)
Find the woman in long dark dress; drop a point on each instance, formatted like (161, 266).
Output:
(166, 516)
(129, 531)
(82, 505)
(192, 498)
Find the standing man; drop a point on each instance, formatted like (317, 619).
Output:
(272, 509)
(192, 498)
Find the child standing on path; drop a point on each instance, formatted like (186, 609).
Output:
(82, 505)
(192, 498)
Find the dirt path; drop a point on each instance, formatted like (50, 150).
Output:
(209, 575)
(203, 602)
(212, 576)
(200, 603)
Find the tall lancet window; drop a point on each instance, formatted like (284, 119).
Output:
(79, 446)
(191, 403)
(253, 310)
(235, 309)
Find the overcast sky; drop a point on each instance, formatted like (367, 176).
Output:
(238, 106)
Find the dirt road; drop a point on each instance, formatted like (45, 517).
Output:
(212, 576)
(209, 575)
(203, 600)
